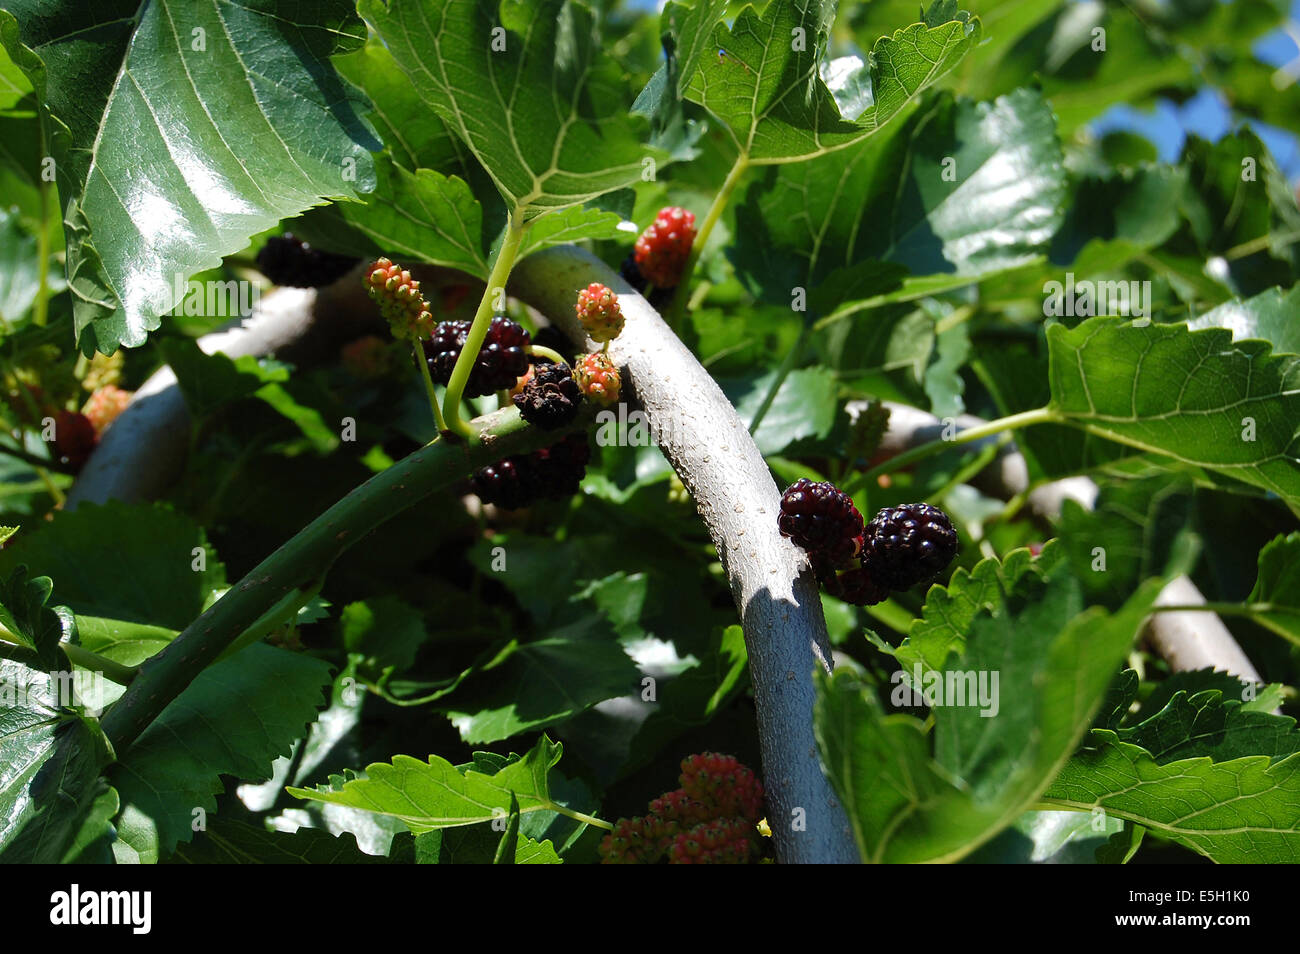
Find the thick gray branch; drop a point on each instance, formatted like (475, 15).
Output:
(709, 446)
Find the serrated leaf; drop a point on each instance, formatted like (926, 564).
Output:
(1243, 811)
(1121, 846)
(171, 150)
(964, 189)
(575, 224)
(384, 631)
(539, 684)
(130, 562)
(803, 408)
(1185, 394)
(762, 78)
(415, 136)
(210, 381)
(122, 642)
(49, 763)
(412, 216)
(235, 718)
(1208, 724)
(949, 610)
(19, 269)
(435, 794)
(1142, 527)
(1053, 664)
(25, 615)
(538, 102)
(1269, 316)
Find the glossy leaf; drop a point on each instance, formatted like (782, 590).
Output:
(235, 718)
(1242, 811)
(178, 131)
(761, 77)
(435, 794)
(526, 85)
(1196, 396)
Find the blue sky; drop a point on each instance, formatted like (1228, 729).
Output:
(1205, 115)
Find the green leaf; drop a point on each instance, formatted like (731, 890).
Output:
(1053, 661)
(1048, 838)
(420, 216)
(574, 224)
(415, 137)
(211, 381)
(92, 843)
(479, 844)
(950, 610)
(803, 408)
(123, 642)
(1196, 396)
(538, 102)
(1243, 811)
(761, 77)
(235, 718)
(129, 562)
(1269, 316)
(49, 763)
(538, 684)
(174, 146)
(435, 794)
(19, 269)
(1143, 529)
(1206, 724)
(24, 614)
(225, 842)
(1278, 587)
(385, 631)
(963, 190)
(1122, 846)
(505, 853)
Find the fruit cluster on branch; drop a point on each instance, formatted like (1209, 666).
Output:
(858, 563)
(712, 819)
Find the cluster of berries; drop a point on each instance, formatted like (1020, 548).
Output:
(548, 394)
(711, 819)
(288, 260)
(400, 300)
(858, 563)
(660, 255)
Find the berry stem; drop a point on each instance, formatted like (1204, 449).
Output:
(546, 352)
(423, 365)
(710, 220)
(505, 260)
(1041, 415)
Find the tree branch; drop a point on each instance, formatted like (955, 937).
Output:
(709, 446)
(308, 555)
(143, 453)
